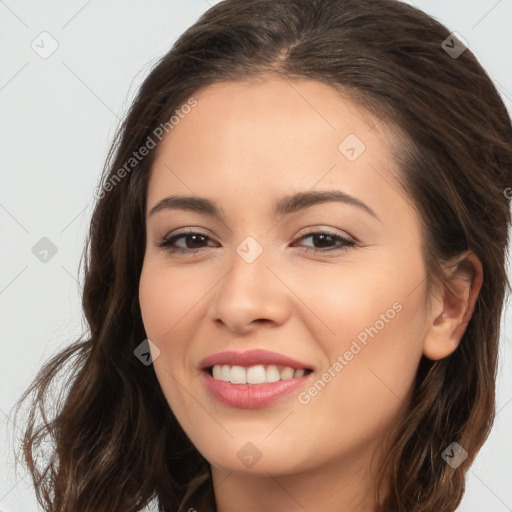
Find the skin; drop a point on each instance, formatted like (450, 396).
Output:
(244, 146)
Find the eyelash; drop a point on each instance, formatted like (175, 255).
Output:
(166, 243)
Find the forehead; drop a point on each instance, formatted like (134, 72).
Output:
(273, 136)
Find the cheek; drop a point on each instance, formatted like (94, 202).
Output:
(167, 299)
(371, 363)
(364, 301)
(375, 322)
(172, 302)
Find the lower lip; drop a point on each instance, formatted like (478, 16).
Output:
(252, 396)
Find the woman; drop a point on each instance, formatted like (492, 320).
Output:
(295, 273)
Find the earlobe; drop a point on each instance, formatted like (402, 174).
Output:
(453, 307)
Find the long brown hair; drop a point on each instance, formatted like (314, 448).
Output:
(114, 443)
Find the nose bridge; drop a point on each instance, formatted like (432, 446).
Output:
(249, 290)
(249, 277)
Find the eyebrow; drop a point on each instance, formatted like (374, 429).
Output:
(284, 206)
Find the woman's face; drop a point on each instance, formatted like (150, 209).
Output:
(248, 298)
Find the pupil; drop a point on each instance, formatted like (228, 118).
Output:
(195, 239)
(323, 238)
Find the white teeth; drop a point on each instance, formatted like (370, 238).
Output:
(217, 372)
(287, 373)
(226, 372)
(238, 375)
(272, 374)
(258, 374)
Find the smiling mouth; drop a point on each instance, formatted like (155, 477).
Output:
(256, 374)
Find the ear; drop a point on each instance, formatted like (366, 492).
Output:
(452, 305)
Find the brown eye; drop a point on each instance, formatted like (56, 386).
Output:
(327, 242)
(193, 241)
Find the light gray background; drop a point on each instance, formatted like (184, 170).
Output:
(57, 118)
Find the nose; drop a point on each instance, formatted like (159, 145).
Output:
(250, 294)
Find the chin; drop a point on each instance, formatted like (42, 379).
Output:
(256, 456)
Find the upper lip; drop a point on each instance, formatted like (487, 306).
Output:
(251, 358)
